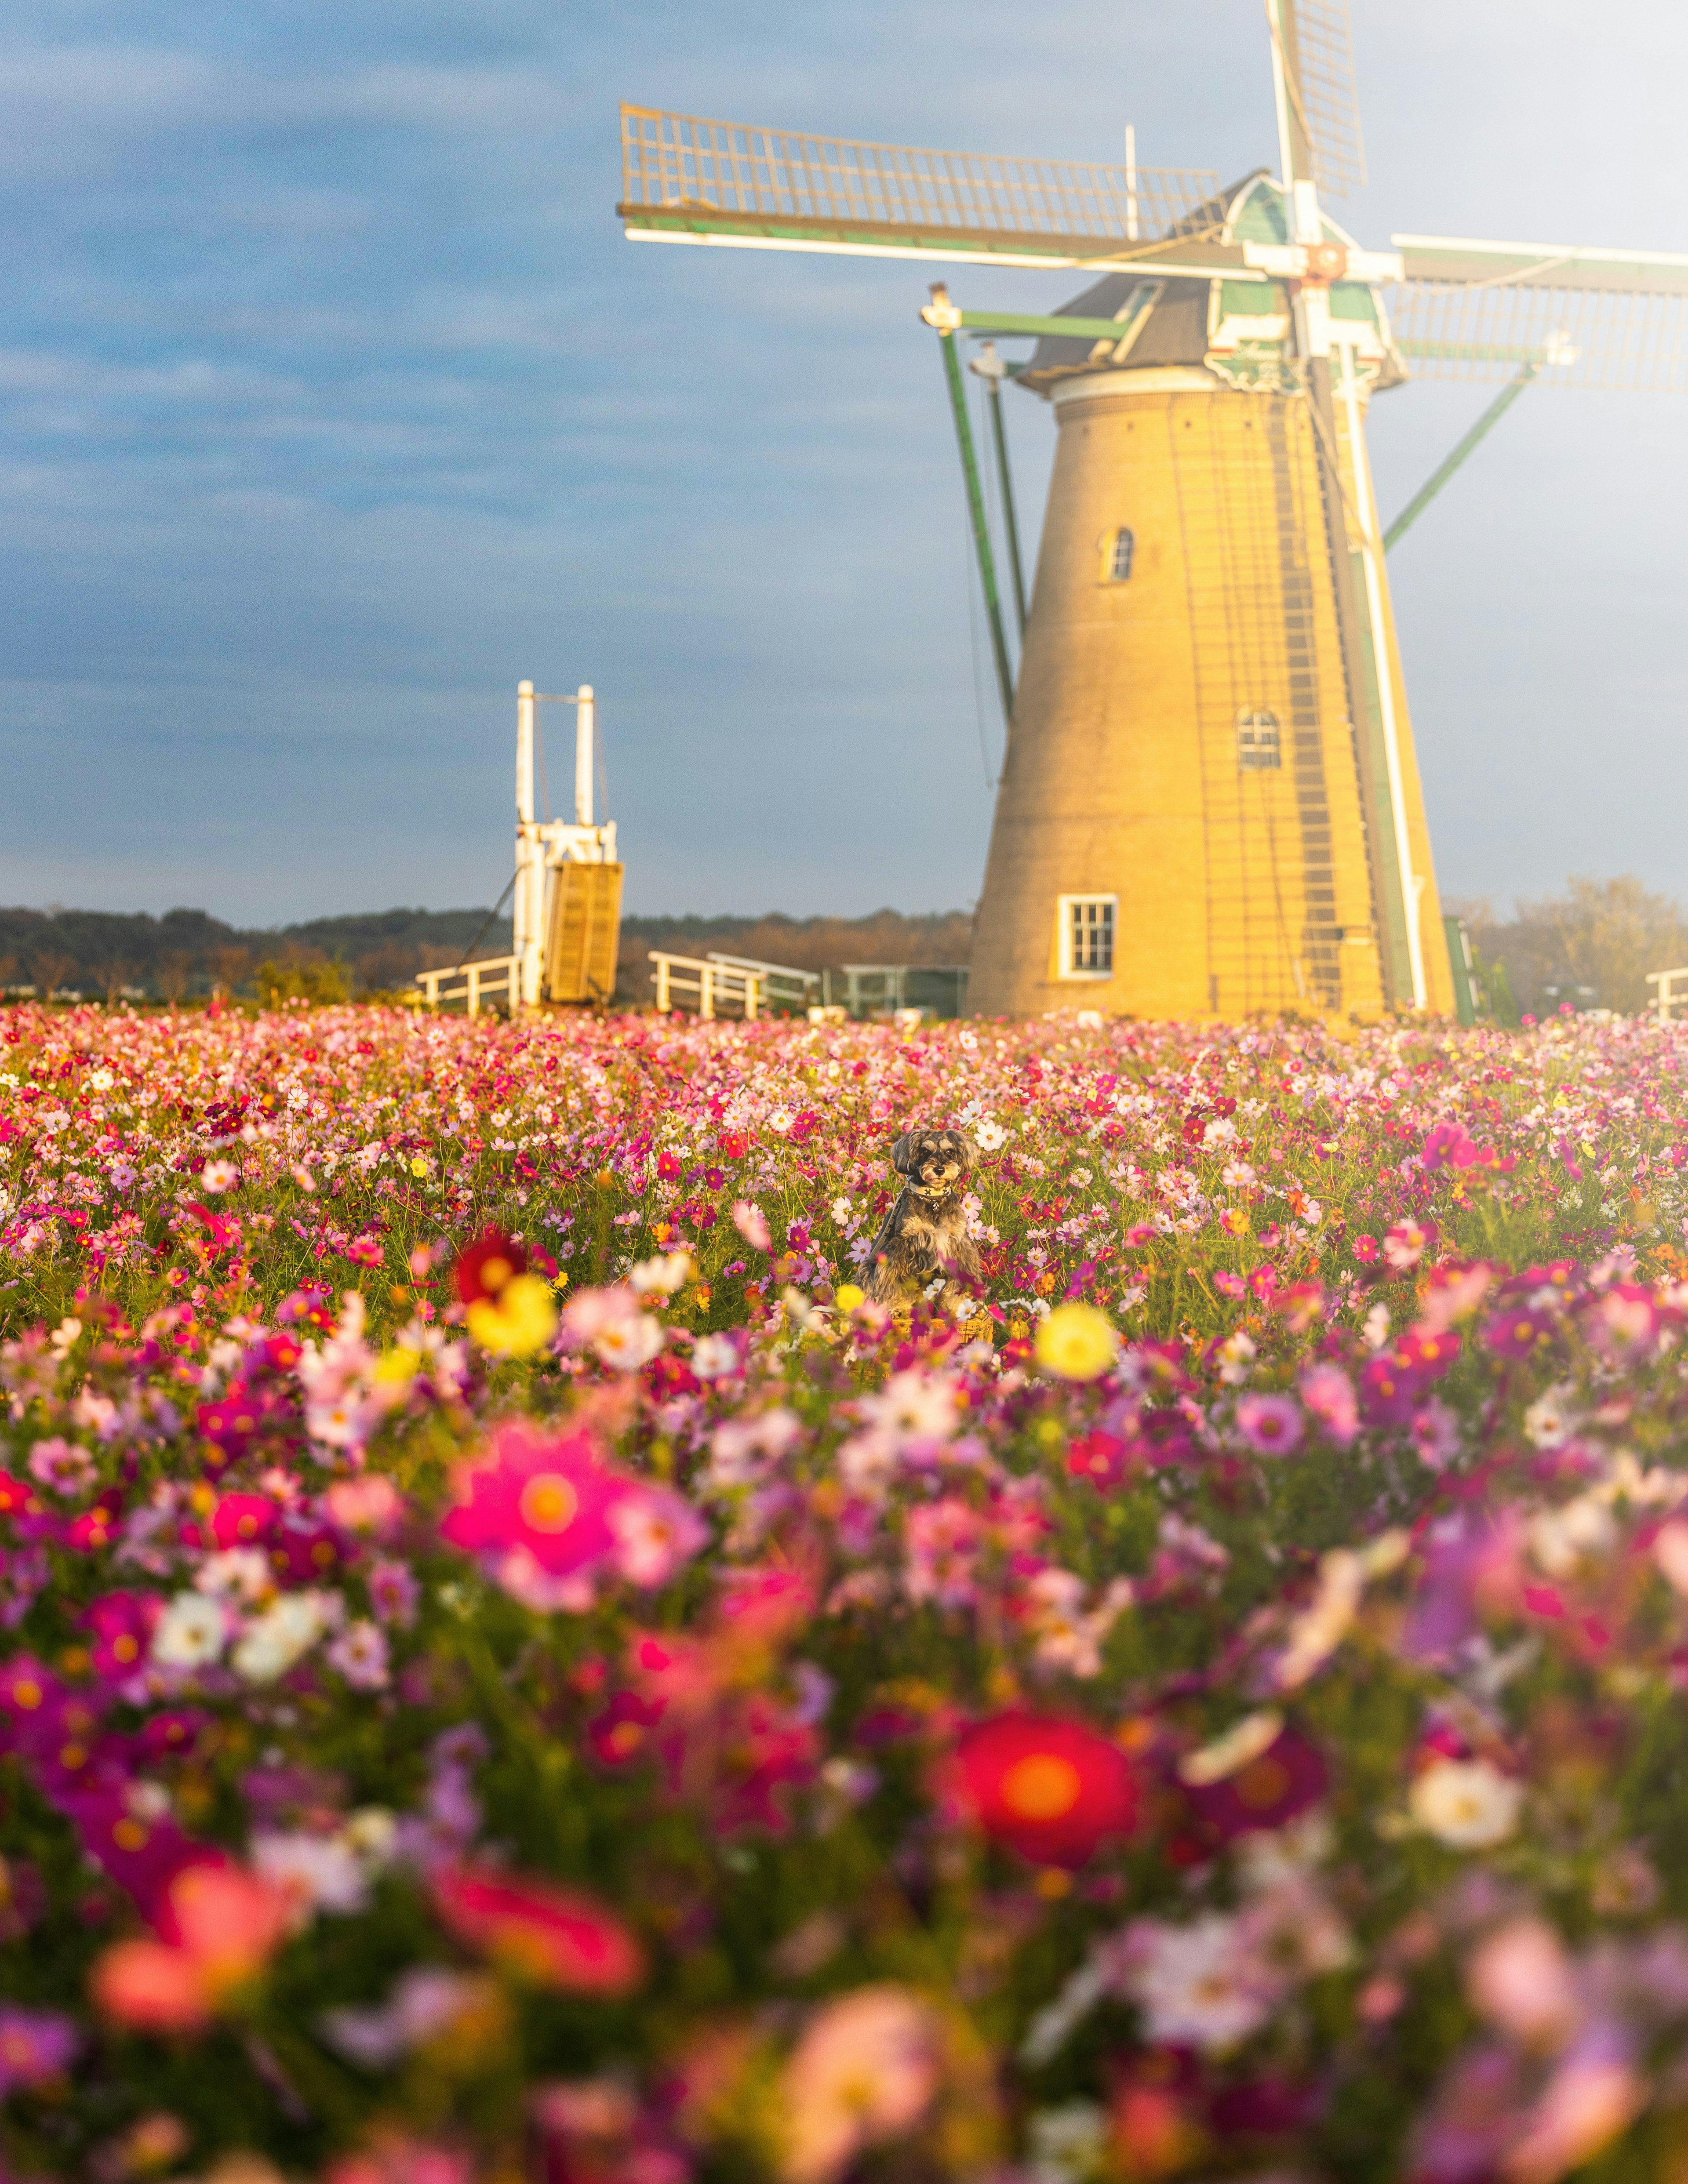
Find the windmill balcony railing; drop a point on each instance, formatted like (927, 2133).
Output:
(707, 987)
(498, 978)
(1673, 990)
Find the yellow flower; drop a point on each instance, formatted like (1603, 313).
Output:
(847, 1296)
(396, 1365)
(1076, 1342)
(521, 1319)
(418, 1165)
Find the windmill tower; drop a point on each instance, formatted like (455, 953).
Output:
(1210, 803)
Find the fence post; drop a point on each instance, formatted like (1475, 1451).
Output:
(752, 981)
(706, 992)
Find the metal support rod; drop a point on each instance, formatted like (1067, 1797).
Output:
(958, 402)
(992, 372)
(1439, 477)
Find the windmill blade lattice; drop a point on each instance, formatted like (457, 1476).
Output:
(1320, 56)
(1581, 318)
(683, 177)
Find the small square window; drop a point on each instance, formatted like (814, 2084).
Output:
(1121, 548)
(1258, 744)
(1086, 935)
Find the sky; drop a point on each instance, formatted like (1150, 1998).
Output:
(333, 402)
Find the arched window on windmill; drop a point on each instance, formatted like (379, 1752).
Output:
(1259, 746)
(1118, 547)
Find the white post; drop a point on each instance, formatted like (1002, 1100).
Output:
(528, 913)
(582, 757)
(474, 991)
(1411, 883)
(706, 992)
(662, 985)
(1130, 182)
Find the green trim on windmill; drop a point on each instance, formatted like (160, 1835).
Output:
(941, 315)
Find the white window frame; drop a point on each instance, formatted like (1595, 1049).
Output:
(1064, 906)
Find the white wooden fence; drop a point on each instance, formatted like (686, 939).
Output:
(1673, 987)
(498, 978)
(707, 985)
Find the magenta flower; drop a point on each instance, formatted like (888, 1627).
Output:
(1517, 1332)
(1270, 1424)
(548, 1496)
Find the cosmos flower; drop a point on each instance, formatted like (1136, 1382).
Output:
(1076, 1342)
(865, 2072)
(1048, 1787)
(1272, 1425)
(551, 1937)
(1466, 1803)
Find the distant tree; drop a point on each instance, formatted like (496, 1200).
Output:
(50, 968)
(1593, 944)
(228, 965)
(302, 974)
(115, 973)
(174, 969)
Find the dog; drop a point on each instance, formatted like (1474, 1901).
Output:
(924, 1236)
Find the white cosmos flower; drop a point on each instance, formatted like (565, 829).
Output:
(220, 1175)
(1202, 1985)
(1466, 1803)
(662, 1275)
(189, 1633)
(715, 1357)
(989, 1136)
(281, 1634)
(313, 1873)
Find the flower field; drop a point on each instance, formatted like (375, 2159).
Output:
(511, 1669)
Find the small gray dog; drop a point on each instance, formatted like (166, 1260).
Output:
(925, 1234)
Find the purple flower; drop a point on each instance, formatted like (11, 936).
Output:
(35, 2045)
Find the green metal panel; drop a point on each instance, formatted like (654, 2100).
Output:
(1459, 962)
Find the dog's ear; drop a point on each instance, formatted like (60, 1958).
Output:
(969, 1151)
(902, 1153)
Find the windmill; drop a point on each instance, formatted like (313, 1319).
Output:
(1210, 801)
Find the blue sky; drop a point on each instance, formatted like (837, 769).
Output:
(332, 401)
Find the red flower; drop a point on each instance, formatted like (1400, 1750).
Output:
(1101, 1457)
(1049, 1788)
(550, 1936)
(485, 1266)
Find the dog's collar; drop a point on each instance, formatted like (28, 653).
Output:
(933, 1190)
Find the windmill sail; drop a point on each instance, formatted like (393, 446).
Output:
(687, 180)
(1467, 309)
(1318, 60)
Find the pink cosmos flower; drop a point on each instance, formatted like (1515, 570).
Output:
(1329, 1394)
(748, 1220)
(866, 2072)
(1406, 1243)
(1270, 1424)
(546, 1498)
(655, 1531)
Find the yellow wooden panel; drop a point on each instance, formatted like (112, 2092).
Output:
(585, 933)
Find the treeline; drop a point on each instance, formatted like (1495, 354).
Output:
(1590, 947)
(185, 953)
